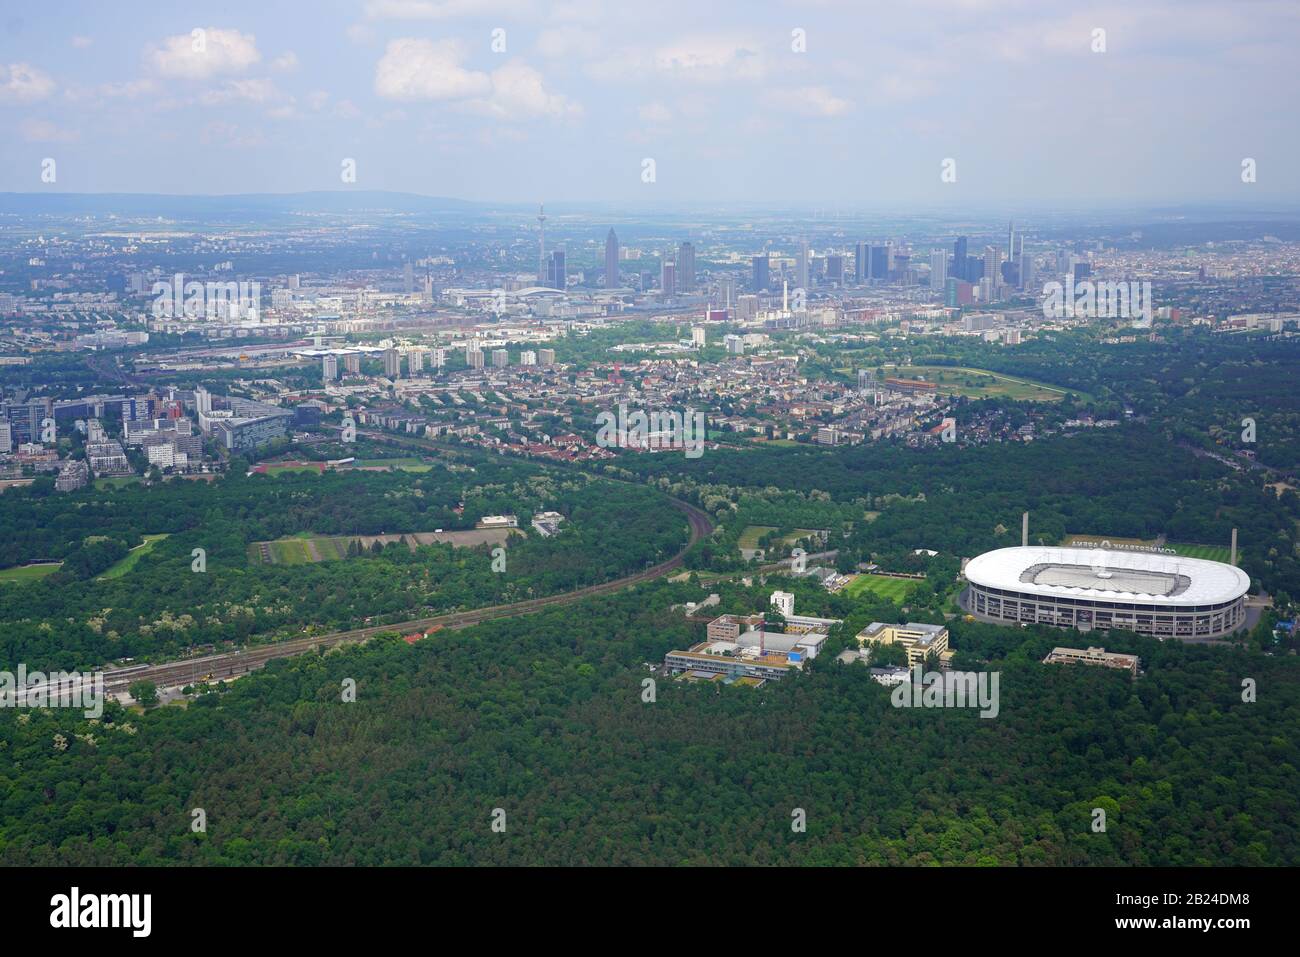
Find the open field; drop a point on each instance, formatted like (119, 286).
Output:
(1214, 553)
(406, 465)
(981, 383)
(116, 481)
(305, 547)
(883, 586)
(29, 573)
(749, 537)
(120, 568)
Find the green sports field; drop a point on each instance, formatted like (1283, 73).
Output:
(883, 586)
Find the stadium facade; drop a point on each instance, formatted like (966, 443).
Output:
(1163, 595)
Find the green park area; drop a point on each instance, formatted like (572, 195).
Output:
(29, 573)
(120, 568)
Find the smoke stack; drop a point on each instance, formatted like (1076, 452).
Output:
(1024, 529)
(1233, 560)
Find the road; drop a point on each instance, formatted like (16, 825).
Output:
(231, 664)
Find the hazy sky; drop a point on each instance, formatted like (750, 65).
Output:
(714, 91)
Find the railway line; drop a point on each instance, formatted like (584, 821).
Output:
(232, 664)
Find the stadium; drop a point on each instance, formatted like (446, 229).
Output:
(1162, 595)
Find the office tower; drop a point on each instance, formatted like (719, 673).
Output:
(543, 266)
(879, 263)
(668, 277)
(408, 278)
(1082, 270)
(762, 276)
(959, 254)
(889, 258)
(992, 260)
(329, 368)
(726, 291)
(557, 276)
(415, 361)
(986, 289)
(392, 363)
(835, 269)
(801, 266)
(685, 274)
(6, 437)
(1019, 246)
(938, 268)
(611, 260)
(500, 358)
(860, 263)
(546, 356)
(1026, 270)
(1063, 262)
(352, 362)
(1011, 241)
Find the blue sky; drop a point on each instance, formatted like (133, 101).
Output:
(719, 94)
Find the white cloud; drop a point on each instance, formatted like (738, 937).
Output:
(568, 42)
(413, 69)
(259, 91)
(711, 59)
(519, 92)
(82, 42)
(285, 62)
(809, 101)
(43, 131)
(655, 113)
(23, 83)
(215, 52)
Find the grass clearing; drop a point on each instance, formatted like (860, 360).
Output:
(29, 573)
(121, 567)
(982, 383)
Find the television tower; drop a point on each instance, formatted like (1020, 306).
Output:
(541, 244)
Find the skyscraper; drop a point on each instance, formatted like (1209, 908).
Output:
(1011, 240)
(557, 276)
(686, 267)
(668, 277)
(860, 264)
(801, 266)
(611, 260)
(762, 274)
(959, 258)
(879, 263)
(543, 267)
(938, 268)
(992, 262)
(329, 368)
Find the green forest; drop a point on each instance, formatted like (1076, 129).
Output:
(544, 718)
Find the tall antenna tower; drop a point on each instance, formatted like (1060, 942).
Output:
(541, 244)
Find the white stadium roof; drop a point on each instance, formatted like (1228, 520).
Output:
(1108, 575)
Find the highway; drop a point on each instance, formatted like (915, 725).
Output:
(231, 664)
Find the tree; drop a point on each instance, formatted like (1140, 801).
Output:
(144, 692)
